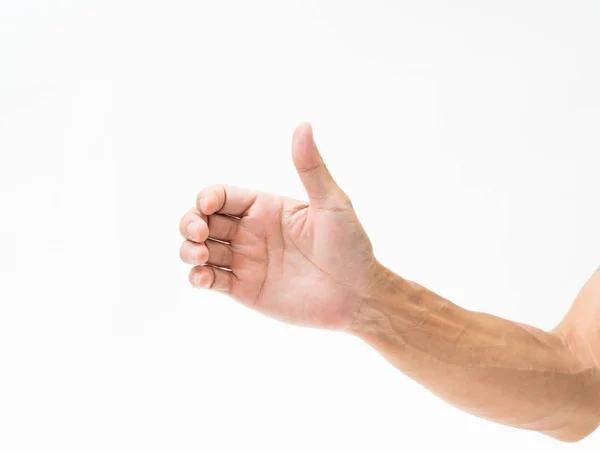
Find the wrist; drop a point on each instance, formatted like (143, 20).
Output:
(371, 316)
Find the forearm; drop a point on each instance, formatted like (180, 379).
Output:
(493, 368)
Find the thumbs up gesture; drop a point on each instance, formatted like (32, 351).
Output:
(309, 264)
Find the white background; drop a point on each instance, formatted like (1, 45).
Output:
(466, 134)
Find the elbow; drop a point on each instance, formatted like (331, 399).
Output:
(575, 432)
(586, 419)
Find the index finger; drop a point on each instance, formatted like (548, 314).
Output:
(223, 199)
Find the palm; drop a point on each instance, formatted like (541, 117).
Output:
(299, 264)
(304, 263)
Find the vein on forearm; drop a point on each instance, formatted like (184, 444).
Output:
(498, 369)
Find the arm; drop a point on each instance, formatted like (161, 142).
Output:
(312, 264)
(500, 370)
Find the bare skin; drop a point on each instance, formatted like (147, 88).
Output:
(312, 264)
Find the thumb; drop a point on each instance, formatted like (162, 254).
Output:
(315, 176)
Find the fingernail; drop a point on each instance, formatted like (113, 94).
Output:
(193, 253)
(193, 229)
(196, 279)
(203, 204)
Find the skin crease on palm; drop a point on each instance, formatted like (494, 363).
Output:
(312, 264)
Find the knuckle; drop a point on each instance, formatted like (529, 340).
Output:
(215, 189)
(310, 168)
(227, 285)
(228, 255)
(216, 192)
(345, 200)
(203, 232)
(212, 278)
(221, 192)
(231, 231)
(206, 191)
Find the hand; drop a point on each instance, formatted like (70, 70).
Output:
(303, 263)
